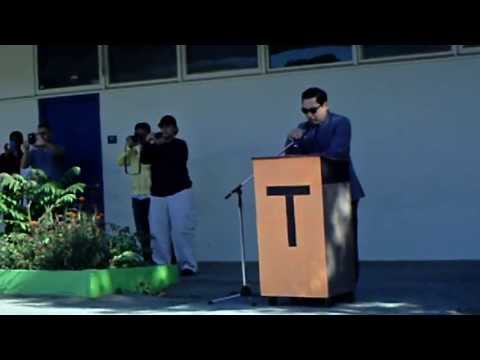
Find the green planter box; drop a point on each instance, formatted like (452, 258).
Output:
(87, 284)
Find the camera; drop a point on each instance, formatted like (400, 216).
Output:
(134, 138)
(32, 139)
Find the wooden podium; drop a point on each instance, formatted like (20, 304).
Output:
(305, 227)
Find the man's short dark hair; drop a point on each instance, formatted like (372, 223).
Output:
(44, 125)
(16, 136)
(143, 126)
(316, 93)
(169, 120)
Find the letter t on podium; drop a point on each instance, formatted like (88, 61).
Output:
(289, 192)
(290, 225)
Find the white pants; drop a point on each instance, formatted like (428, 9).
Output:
(173, 219)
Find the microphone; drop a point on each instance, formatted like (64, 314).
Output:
(296, 142)
(293, 143)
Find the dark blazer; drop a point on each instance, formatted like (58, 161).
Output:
(331, 139)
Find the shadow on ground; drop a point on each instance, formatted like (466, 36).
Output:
(390, 288)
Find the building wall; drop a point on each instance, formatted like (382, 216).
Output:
(414, 141)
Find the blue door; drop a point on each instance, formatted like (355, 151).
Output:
(75, 122)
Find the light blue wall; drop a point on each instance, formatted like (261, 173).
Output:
(415, 133)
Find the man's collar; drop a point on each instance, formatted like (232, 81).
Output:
(324, 122)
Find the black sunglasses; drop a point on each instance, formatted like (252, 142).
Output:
(312, 110)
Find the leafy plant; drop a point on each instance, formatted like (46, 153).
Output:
(49, 235)
(124, 248)
(127, 259)
(73, 242)
(17, 251)
(121, 241)
(26, 200)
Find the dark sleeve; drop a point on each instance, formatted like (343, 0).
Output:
(183, 152)
(296, 149)
(60, 161)
(340, 145)
(147, 154)
(3, 167)
(59, 152)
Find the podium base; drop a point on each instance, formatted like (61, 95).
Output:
(348, 298)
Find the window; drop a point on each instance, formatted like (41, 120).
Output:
(284, 56)
(202, 59)
(141, 63)
(67, 66)
(470, 48)
(381, 51)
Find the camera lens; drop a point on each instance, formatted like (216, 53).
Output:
(32, 139)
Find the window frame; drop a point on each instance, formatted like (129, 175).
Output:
(224, 73)
(307, 67)
(473, 50)
(70, 89)
(111, 85)
(263, 55)
(416, 56)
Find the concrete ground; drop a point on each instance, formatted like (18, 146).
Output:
(390, 288)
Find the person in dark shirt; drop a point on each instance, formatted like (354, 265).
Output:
(11, 159)
(172, 216)
(10, 163)
(328, 134)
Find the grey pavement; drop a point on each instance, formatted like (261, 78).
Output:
(386, 288)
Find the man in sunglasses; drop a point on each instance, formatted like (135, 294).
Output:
(328, 134)
(44, 154)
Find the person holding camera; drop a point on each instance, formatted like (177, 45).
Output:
(141, 183)
(10, 161)
(39, 152)
(172, 216)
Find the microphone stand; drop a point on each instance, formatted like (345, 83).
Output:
(245, 291)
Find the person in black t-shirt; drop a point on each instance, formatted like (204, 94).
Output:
(172, 216)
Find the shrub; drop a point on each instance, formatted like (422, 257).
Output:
(74, 242)
(26, 200)
(48, 235)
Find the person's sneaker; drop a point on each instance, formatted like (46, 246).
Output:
(187, 272)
